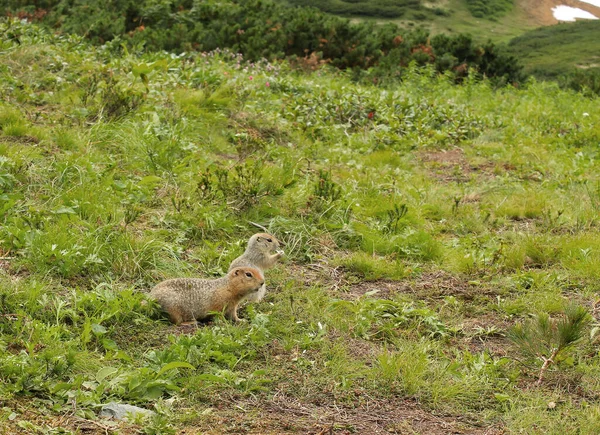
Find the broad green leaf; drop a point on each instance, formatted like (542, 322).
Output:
(134, 382)
(104, 372)
(211, 378)
(149, 180)
(175, 365)
(140, 69)
(98, 329)
(61, 386)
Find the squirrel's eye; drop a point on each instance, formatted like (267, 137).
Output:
(269, 240)
(248, 274)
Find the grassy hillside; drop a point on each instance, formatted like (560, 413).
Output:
(499, 27)
(409, 9)
(421, 224)
(265, 29)
(554, 50)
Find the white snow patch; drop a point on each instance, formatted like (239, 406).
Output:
(592, 2)
(567, 13)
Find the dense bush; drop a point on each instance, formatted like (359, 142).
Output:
(489, 8)
(266, 29)
(586, 81)
(370, 8)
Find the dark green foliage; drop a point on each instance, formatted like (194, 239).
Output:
(586, 81)
(456, 53)
(394, 216)
(241, 186)
(370, 8)
(266, 29)
(325, 188)
(489, 8)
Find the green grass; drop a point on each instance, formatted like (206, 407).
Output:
(550, 51)
(459, 19)
(421, 223)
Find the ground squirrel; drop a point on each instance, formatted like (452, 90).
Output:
(259, 254)
(187, 299)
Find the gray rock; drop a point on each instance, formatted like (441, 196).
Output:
(120, 411)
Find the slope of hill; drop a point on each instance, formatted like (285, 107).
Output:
(421, 223)
(408, 9)
(551, 51)
(264, 29)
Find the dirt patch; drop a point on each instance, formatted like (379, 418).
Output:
(4, 265)
(320, 274)
(452, 165)
(20, 139)
(486, 333)
(540, 11)
(286, 415)
(430, 285)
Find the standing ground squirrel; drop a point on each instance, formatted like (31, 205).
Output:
(259, 254)
(187, 299)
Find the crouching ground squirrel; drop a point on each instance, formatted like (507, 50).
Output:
(187, 299)
(262, 253)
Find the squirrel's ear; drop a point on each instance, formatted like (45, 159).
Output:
(258, 238)
(237, 272)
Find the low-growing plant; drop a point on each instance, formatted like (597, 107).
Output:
(241, 186)
(394, 216)
(550, 340)
(383, 319)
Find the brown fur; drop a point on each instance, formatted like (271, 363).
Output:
(188, 299)
(259, 254)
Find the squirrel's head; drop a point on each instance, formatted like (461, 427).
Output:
(246, 279)
(263, 242)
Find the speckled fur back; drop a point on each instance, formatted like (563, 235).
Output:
(191, 295)
(187, 299)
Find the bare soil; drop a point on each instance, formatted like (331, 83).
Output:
(285, 415)
(433, 285)
(453, 166)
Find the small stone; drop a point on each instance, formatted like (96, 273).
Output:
(120, 411)
(551, 405)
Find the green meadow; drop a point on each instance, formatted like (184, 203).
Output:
(442, 246)
(550, 51)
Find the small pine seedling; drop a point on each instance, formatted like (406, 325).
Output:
(549, 340)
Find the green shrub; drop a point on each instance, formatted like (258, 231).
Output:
(268, 29)
(489, 9)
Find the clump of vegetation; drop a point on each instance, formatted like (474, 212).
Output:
(586, 81)
(551, 340)
(373, 8)
(489, 9)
